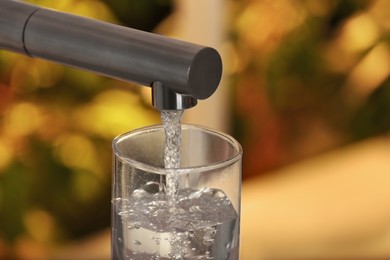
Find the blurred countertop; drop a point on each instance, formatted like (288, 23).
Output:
(332, 206)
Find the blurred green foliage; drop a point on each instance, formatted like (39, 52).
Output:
(145, 15)
(56, 128)
(308, 76)
(373, 117)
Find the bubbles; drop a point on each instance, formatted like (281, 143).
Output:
(176, 210)
(134, 225)
(137, 242)
(155, 256)
(157, 212)
(227, 246)
(139, 193)
(153, 185)
(208, 238)
(156, 238)
(197, 194)
(195, 208)
(187, 230)
(218, 194)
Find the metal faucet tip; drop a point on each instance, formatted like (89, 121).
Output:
(164, 98)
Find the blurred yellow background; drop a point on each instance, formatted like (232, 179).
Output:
(305, 90)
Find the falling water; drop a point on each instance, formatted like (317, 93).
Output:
(171, 121)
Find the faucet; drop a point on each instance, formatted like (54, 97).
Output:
(179, 73)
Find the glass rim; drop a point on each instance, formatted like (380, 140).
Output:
(182, 170)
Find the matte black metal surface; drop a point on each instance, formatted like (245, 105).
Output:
(112, 50)
(13, 17)
(165, 99)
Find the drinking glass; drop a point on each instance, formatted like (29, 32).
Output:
(203, 219)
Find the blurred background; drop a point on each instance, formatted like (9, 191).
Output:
(305, 90)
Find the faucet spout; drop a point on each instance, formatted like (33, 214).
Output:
(179, 72)
(164, 98)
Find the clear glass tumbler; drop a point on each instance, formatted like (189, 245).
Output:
(202, 222)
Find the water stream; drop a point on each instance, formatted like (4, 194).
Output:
(171, 121)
